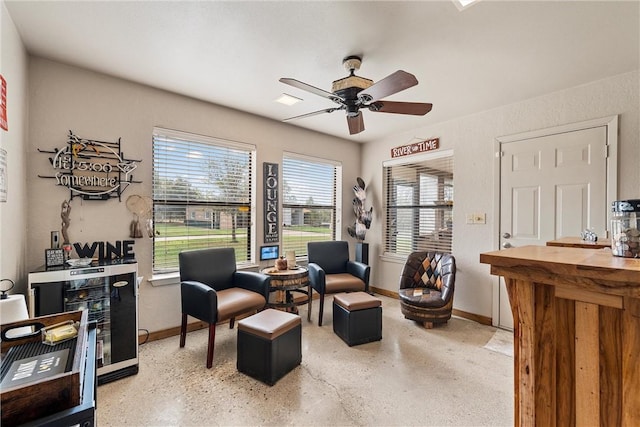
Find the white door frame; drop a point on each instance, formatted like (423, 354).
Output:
(611, 122)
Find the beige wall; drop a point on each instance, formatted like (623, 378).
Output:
(99, 107)
(472, 138)
(13, 221)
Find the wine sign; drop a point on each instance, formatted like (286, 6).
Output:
(271, 221)
(106, 250)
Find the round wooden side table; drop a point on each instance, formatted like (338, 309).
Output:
(284, 283)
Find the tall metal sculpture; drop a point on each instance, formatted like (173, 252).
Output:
(363, 217)
(65, 215)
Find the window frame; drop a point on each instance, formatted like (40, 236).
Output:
(336, 224)
(207, 206)
(442, 212)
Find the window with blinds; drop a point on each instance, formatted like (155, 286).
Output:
(310, 201)
(419, 205)
(202, 190)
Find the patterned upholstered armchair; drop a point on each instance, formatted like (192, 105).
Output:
(426, 287)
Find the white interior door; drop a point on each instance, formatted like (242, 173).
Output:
(551, 186)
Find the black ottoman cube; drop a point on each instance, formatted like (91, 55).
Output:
(357, 318)
(269, 345)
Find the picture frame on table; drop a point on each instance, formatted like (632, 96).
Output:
(53, 257)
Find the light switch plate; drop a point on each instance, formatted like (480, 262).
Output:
(479, 218)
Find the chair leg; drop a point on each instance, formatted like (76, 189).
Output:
(310, 294)
(212, 338)
(321, 309)
(183, 330)
(428, 325)
(232, 322)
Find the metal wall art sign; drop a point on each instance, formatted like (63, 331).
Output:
(271, 221)
(416, 147)
(93, 170)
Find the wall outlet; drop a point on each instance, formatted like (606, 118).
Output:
(479, 218)
(470, 218)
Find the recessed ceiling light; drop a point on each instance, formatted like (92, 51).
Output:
(288, 99)
(462, 4)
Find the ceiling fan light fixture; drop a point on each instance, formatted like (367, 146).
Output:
(353, 93)
(352, 63)
(288, 99)
(351, 82)
(352, 110)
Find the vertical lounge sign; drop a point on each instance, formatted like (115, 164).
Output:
(271, 222)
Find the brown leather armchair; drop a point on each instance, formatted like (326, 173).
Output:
(330, 270)
(211, 290)
(426, 287)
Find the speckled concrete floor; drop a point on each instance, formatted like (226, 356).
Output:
(414, 376)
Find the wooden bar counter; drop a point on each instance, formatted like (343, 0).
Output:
(576, 319)
(577, 242)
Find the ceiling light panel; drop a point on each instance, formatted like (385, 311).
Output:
(463, 4)
(288, 99)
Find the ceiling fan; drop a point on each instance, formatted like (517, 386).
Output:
(353, 93)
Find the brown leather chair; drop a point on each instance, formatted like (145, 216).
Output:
(211, 290)
(426, 287)
(330, 270)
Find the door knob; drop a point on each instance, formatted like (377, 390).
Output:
(506, 245)
(506, 235)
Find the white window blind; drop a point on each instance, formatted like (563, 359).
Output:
(202, 196)
(419, 205)
(310, 194)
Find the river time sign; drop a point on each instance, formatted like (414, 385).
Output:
(416, 147)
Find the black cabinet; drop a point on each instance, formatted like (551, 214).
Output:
(108, 290)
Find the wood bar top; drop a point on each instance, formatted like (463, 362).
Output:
(576, 319)
(577, 242)
(584, 267)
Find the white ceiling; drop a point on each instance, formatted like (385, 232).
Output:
(232, 53)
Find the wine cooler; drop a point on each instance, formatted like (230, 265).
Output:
(109, 291)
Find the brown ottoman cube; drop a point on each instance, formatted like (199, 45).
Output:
(357, 317)
(269, 345)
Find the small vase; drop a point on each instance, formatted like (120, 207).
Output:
(281, 263)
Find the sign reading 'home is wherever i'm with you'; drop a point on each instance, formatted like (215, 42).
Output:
(416, 147)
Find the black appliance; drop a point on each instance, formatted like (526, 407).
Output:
(109, 291)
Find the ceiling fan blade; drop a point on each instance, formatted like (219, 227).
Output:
(393, 83)
(315, 113)
(317, 91)
(415, 108)
(356, 123)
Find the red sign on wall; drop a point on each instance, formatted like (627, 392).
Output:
(3, 104)
(416, 147)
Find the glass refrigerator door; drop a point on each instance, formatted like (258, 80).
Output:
(93, 294)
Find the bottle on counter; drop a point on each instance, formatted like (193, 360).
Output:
(625, 228)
